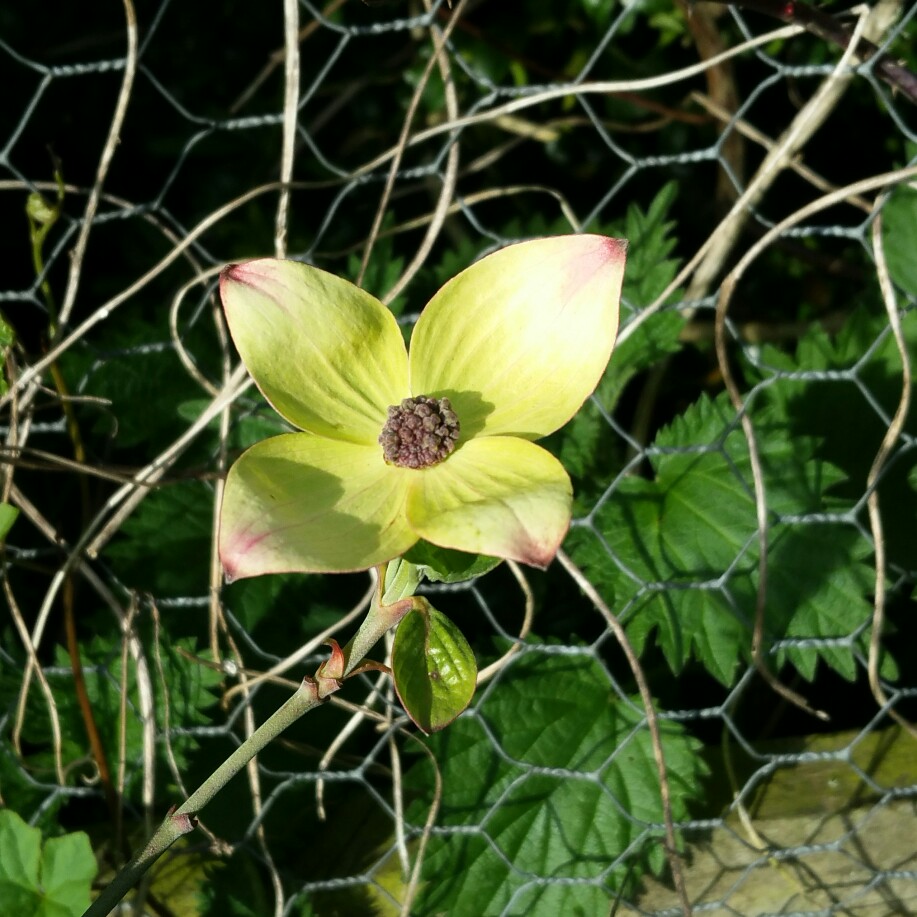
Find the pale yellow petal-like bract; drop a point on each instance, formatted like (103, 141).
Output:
(328, 356)
(496, 495)
(303, 503)
(520, 339)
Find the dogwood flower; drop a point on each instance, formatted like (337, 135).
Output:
(435, 444)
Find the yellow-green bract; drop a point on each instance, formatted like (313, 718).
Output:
(516, 343)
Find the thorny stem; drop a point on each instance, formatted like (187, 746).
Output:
(393, 599)
(829, 29)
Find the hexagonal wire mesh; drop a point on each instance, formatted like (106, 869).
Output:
(441, 135)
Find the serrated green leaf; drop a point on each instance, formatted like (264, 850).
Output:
(680, 553)
(164, 546)
(548, 713)
(433, 668)
(817, 588)
(51, 882)
(654, 339)
(141, 376)
(587, 438)
(182, 694)
(849, 416)
(649, 234)
(444, 565)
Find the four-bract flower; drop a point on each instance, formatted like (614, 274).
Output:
(435, 445)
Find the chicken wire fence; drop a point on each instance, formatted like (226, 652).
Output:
(394, 144)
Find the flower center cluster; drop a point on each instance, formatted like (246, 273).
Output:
(419, 432)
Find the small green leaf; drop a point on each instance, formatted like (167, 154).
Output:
(50, 882)
(8, 516)
(433, 667)
(443, 565)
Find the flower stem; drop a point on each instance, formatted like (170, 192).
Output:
(394, 598)
(397, 582)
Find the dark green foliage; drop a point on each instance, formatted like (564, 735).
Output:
(235, 889)
(592, 794)
(849, 413)
(181, 695)
(132, 366)
(678, 554)
(164, 546)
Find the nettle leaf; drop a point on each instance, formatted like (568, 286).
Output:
(182, 695)
(649, 271)
(680, 553)
(653, 339)
(850, 416)
(803, 605)
(53, 880)
(165, 545)
(555, 775)
(588, 438)
(650, 242)
(140, 374)
(433, 668)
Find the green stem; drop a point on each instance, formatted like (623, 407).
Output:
(183, 819)
(397, 581)
(394, 598)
